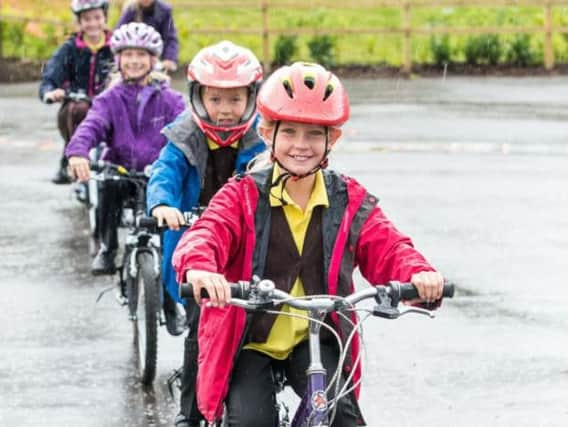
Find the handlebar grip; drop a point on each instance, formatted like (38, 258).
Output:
(102, 165)
(448, 291)
(147, 222)
(238, 290)
(186, 291)
(409, 292)
(150, 222)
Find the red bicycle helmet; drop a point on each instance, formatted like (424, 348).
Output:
(306, 93)
(224, 65)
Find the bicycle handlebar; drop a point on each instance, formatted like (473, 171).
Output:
(240, 290)
(70, 96)
(409, 292)
(121, 171)
(151, 223)
(261, 293)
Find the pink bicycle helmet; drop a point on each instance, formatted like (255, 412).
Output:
(80, 6)
(224, 65)
(136, 35)
(304, 92)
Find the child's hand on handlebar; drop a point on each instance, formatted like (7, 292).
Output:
(55, 95)
(171, 216)
(214, 283)
(429, 284)
(79, 168)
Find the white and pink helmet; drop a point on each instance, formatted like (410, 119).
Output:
(224, 65)
(136, 35)
(80, 6)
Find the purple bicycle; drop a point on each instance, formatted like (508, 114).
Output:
(315, 409)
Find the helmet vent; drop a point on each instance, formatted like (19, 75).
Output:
(328, 91)
(310, 82)
(288, 88)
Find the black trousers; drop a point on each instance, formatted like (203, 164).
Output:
(188, 398)
(112, 195)
(251, 396)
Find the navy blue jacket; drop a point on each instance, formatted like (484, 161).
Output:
(177, 178)
(75, 68)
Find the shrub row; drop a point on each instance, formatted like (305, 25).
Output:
(487, 49)
(519, 50)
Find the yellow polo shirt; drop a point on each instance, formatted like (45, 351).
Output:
(287, 332)
(214, 146)
(95, 47)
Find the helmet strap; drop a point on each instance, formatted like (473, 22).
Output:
(284, 177)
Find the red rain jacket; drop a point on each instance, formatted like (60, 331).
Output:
(223, 240)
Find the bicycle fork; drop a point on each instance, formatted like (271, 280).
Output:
(133, 269)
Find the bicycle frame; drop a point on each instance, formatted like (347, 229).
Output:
(140, 267)
(140, 239)
(135, 244)
(313, 409)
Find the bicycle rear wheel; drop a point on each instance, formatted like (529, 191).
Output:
(144, 306)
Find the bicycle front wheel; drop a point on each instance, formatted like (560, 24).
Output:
(144, 305)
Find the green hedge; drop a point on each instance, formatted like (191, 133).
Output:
(342, 49)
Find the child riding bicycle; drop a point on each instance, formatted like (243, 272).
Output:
(128, 117)
(206, 146)
(80, 65)
(302, 226)
(158, 15)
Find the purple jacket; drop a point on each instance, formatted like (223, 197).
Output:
(159, 16)
(129, 119)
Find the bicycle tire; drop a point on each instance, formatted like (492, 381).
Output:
(93, 232)
(145, 322)
(131, 285)
(92, 217)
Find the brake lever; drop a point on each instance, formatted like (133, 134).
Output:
(386, 312)
(260, 294)
(416, 310)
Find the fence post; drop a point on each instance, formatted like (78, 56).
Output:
(1, 32)
(265, 39)
(548, 45)
(406, 41)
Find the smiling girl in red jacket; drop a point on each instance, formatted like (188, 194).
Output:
(305, 228)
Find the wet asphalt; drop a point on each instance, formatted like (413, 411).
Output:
(473, 169)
